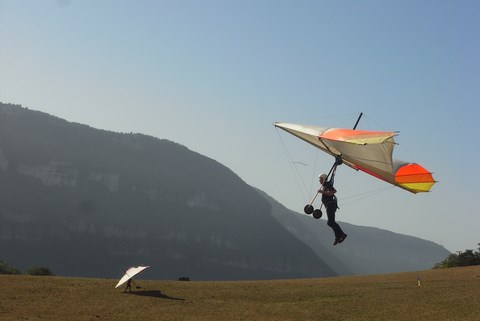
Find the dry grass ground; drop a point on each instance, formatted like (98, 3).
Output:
(446, 295)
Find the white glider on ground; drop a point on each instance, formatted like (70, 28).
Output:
(130, 273)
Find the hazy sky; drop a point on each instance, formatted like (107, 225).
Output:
(215, 75)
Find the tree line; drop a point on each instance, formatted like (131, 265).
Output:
(465, 258)
(36, 270)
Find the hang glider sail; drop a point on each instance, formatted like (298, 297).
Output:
(368, 151)
(130, 273)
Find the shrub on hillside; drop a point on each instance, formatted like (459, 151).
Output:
(466, 258)
(38, 270)
(6, 269)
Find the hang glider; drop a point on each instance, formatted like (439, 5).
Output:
(368, 151)
(130, 273)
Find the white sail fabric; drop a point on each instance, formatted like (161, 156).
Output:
(130, 273)
(370, 151)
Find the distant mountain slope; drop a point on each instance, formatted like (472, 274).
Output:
(367, 250)
(88, 202)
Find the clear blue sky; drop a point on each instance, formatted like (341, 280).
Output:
(215, 75)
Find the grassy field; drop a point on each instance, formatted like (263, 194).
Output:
(449, 294)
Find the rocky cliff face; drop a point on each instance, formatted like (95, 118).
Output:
(88, 202)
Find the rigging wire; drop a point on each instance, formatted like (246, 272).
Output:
(364, 195)
(357, 196)
(313, 181)
(291, 162)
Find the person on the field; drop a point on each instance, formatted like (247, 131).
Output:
(129, 286)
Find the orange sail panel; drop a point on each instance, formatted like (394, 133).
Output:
(414, 178)
(361, 137)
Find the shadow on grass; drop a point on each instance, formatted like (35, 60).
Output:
(154, 294)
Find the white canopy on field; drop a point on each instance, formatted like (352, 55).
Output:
(130, 273)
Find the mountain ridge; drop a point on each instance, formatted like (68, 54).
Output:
(71, 195)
